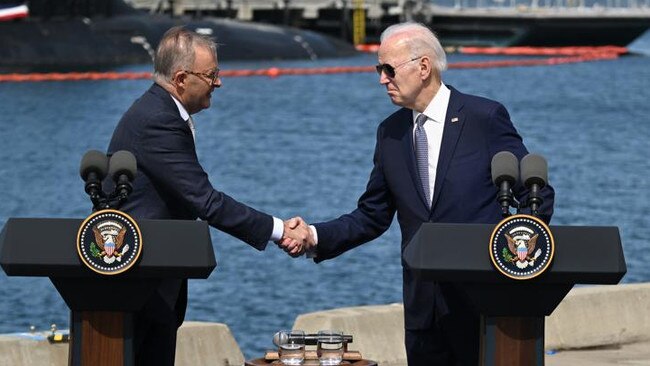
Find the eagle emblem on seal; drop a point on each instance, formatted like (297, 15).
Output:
(109, 241)
(522, 245)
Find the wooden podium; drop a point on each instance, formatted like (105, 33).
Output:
(101, 326)
(512, 311)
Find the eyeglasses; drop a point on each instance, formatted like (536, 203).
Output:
(390, 70)
(212, 76)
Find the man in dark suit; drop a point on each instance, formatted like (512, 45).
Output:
(171, 184)
(432, 163)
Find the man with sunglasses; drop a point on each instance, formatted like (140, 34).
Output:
(171, 184)
(432, 163)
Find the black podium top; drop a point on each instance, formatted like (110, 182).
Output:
(47, 247)
(460, 253)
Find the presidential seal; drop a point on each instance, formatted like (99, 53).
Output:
(109, 242)
(521, 247)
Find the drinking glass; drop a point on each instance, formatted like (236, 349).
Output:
(292, 347)
(330, 347)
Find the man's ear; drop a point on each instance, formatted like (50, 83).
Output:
(425, 67)
(179, 78)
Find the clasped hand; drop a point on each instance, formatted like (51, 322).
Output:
(297, 237)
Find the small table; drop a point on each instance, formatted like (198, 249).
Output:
(263, 362)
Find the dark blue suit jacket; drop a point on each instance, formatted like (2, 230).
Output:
(171, 184)
(463, 192)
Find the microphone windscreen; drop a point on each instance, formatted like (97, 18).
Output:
(505, 167)
(123, 162)
(93, 161)
(534, 170)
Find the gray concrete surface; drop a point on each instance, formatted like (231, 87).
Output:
(207, 344)
(608, 325)
(31, 350)
(199, 344)
(600, 316)
(593, 326)
(636, 354)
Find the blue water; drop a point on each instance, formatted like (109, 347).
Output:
(303, 145)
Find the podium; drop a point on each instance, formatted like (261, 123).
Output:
(512, 311)
(101, 326)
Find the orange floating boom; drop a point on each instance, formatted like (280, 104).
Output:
(568, 57)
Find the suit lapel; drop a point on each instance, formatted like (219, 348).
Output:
(409, 154)
(454, 122)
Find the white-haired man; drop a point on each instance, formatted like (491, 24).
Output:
(432, 163)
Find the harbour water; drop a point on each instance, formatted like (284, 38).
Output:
(302, 145)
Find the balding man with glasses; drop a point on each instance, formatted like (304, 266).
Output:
(432, 163)
(171, 184)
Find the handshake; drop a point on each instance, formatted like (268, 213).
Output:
(297, 237)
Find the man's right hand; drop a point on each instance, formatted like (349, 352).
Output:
(297, 237)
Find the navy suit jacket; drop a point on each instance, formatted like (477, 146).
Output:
(463, 191)
(170, 183)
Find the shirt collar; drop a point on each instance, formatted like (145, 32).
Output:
(181, 110)
(437, 108)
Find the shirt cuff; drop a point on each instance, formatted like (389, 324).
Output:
(312, 252)
(278, 229)
(314, 234)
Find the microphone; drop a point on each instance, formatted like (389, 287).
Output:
(93, 168)
(281, 338)
(122, 169)
(505, 170)
(534, 174)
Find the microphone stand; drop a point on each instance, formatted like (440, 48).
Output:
(100, 203)
(103, 201)
(122, 190)
(504, 197)
(534, 199)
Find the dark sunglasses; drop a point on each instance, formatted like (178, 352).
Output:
(389, 70)
(212, 76)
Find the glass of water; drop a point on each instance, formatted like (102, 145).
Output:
(330, 347)
(292, 347)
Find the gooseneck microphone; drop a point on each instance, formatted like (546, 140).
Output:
(122, 169)
(281, 338)
(505, 170)
(93, 169)
(534, 175)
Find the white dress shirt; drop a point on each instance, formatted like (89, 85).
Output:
(436, 112)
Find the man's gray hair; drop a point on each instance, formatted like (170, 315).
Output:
(421, 41)
(176, 52)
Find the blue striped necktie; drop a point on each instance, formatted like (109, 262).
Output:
(422, 155)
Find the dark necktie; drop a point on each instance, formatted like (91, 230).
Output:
(422, 155)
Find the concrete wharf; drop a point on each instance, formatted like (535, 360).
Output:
(592, 326)
(500, 23)
(360, 21)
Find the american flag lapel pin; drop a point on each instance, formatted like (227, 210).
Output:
(454, 120)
